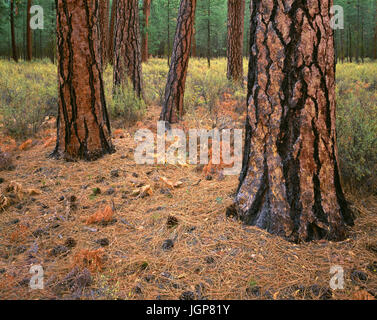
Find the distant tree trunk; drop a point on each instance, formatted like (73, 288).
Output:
(209, 34)
(168, 40)
(29, 47)
(236, 17)
(290, 183)
(358, 32)
(342, 44)
(147, 12)
(193, 46)
(127, 50)
(83, 124)
(13, 33)
(104, 28)
(110, 52)
(175, 88)
(350, 54)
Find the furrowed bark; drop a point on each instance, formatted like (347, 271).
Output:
(110, 51)
(104, 28)
(146, 12)
(174, 93)
(236, 14)
(83, 124)
(127, 46)
(290, 181)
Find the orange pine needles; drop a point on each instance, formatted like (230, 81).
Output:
(91, 259)
(105, 215)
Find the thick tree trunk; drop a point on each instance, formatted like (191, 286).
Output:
(236, 17)
(29, 45)
(127, 47)
(147, 13)
(104, 28)
(83, 124)
(110, 51)
(13, 33)
(175, 88)
(290, 183)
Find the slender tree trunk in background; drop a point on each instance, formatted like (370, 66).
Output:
(290, 184)
(358, 32)
(147, 13)
(175, 88)
(29, 46)
(13, 33)
(350, 55)
(83, 124)
(104, 28)
(168, 32)
(127, 48)
(193, 47)
(342, 45)
(362, 40)
(110, 51)
(209, 34)
(236, 16)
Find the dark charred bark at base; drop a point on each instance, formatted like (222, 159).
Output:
(172, 108)
(83, 127)
(290, 183)
(127, 46)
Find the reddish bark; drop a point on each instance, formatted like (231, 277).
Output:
(127, 50)
(104, 28)
(147, 12)
(290, 181)
(83, 125)
(110, 51)
(236, 13)
(175, 88)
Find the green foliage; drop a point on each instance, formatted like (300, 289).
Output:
(122, 103)
(28, 93)
(357, 123)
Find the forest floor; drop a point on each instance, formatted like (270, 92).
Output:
(166, 242)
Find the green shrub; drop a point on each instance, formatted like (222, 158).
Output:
(28, 93)
(125, 105)
(357, 123)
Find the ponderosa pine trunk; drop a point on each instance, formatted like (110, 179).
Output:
(110, 51)
(290, 181)
(147, 13)
(236, 18)
(104, 28)
(29, 42)
(172, 108)
(13, 32)
(127, 46)
(83, 125)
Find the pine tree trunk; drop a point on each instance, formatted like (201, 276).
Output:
(104, 28)
(83, 124)
(236, 17)
(175, 88)
(110, 51)
(290, 183)
(193, 46)
(147, 12)
(209, 34)
(13, 33)
(127, 47)
(29, 45)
